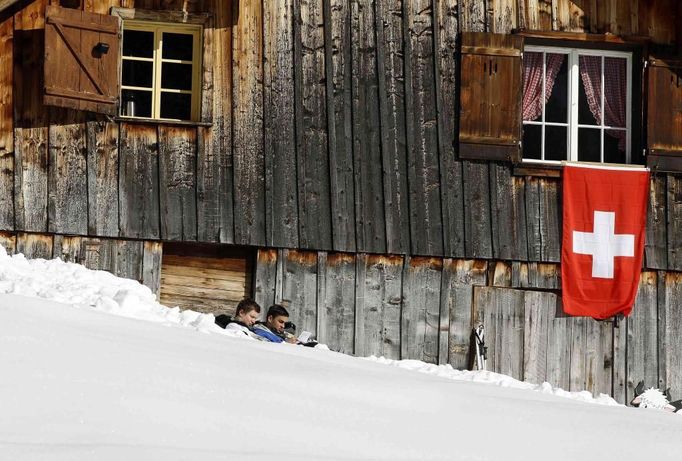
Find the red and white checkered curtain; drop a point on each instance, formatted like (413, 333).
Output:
(532, 82)
(615, 88)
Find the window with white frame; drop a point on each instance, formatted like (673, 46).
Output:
(576, 105)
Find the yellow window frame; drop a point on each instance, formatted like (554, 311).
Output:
(158, 29)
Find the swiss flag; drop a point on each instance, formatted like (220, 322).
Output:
(603, 241)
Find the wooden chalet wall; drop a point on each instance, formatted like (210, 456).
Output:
(333, 139)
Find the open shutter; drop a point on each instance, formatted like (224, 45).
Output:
(81, 60)
(664, 115)
(490, 97)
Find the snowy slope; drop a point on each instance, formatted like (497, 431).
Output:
(81, 384)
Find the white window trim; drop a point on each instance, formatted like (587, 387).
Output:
(572, 107)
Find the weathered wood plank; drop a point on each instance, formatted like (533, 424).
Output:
(508, 214)
(100, 6)
(177, 183)
(265, 282)
(378, 299)
(423, 171)
(30, 120)
(477, 218)
(559, 352)
(419, 332)
(391, 78)
(536, 275)
(9, 242)
(128, 258)
(578, 357)
(138, 182)
(299, 288)
(6, 124)
(151, 266)
(532, 190)
(642, 337)
(336, 301)
(68, 248)
(550, 229)
(249, 179)
(215, 170)
(500, 274)
(367, 167)
(539, 309)
(655, 245)
(504, 15)
(67, 201)
(281, 199)
(474, 16)
(311, 126)
(446, 68)
(337, 42)
(102, 165)
(674, 221)
(34, 246)
(670, 334)
(456, 298)
(598, 356)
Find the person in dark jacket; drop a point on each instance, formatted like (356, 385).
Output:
(273, 328)
(246, 315)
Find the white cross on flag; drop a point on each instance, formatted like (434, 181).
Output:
(603, 238)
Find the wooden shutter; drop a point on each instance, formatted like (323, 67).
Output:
(664, 115)
(490, 97)
(78, 75)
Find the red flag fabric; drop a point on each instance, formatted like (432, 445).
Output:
(603, 238)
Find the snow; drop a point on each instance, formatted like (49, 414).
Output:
(94, 368)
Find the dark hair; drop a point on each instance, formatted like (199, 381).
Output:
(276, 310)
(247, 305)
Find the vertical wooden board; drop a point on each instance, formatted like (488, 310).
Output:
(598, 356)
(265, 282)
(311, 126)
(128, 258)
(474, 16)
(337, 43)
(642, 336)
(578, 357)
(674, 230)
(470, 272)
(138, 182)
(299, 288)
(420, 320)
(619, 384)
(336, 301)
(281, 200)
(670, 335)
(378, 300)
(177, 183)
(423, 168)
(102, 166)
(452, 193)
(391, 79)
(655, 245)
(539, 308)
(34, 246)
(456, 300)
(215, 169)
(508, 214)
(500, 274)
(505, 15)
(477, 215)
(100, 6)
(369, 199)
(68, 248)
(9, 242)
(536, 275)
(67, 202)
(559, 352)
(99, 254)
(545, 15)
(532, 197)
(550, 221)
(247, 149)
(6, 124)
(30, 120)
(151, 266)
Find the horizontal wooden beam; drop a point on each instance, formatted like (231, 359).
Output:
(4, 4)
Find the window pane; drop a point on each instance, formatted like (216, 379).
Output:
(176, 105)
(589, 104)
(614, 146)
(137, 73)
(177, 46)
(532, 137)
(176, 76)
(532, 85)
(556, 143)
(589, 145)
(136, 103)
(615, 90)
(556, 78)
(138, 43)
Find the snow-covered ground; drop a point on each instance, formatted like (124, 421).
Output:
(147, 383)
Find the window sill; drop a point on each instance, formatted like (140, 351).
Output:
(152, 121)
(545, 170)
